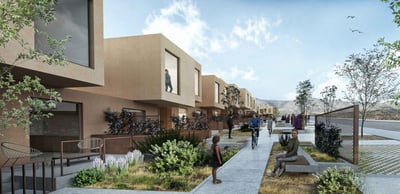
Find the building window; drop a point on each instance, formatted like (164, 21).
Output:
(171, 73)
(216, 92)
(196, 82)
(137, 115)
(64, 122)
(72, 19)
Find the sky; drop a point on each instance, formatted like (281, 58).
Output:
(265, 46)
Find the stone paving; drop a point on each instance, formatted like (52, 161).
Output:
(380, 159)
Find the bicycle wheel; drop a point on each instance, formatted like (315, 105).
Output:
(252, 142)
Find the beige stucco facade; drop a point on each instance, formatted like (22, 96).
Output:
(212, 87)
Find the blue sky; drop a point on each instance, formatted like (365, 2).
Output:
(266, 46)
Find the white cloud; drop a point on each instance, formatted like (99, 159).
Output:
(246, 74)
(181, 22)
(255, 31)
(290, 96)
(234, 74)
(333, 79)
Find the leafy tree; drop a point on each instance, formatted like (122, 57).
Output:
(393, 48)
(369, 81)
(328, 99)
(304, 97)
(18, 98)
(230, 97)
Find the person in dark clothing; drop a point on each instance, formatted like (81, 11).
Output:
(230, 125)
(289, 155)
(255, 124)
(168, 84)
(216, 159)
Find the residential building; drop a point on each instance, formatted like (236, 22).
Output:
(211, 103)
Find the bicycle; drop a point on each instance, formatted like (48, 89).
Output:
(254, 138)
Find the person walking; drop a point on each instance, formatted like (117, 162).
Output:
(168, 83)
(270, 125)
(230, 125)
(216, 159)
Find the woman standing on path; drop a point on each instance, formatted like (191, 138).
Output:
(216, 159)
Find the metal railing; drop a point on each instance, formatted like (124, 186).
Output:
(18, 182)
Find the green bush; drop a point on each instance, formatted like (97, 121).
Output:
(338, 180)
(88, 177)
(229, 153)
(245, 128)
(174, 156)
(327, 139)
(164, 136)
(203, 158)
(284, 140)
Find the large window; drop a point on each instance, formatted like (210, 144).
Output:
(216, 92)
(64, 122)
(196, 82)
(171, 73)
(72, 19)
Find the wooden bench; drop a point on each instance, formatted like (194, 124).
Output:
(304, 163)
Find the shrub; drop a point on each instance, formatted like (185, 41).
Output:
(327, 139)
(338, 180)
(245, 128)
(284, 140)
(88, 177)
(229, 153)
(204, 157)
(164, 136)
(173, 156)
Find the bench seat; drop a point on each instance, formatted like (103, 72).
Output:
(304, 163)
(73, 156)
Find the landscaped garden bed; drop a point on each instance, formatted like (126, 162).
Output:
(332, 180)
(178, 163)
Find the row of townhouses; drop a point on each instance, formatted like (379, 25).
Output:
(115, 74)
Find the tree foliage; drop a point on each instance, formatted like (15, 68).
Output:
(369, 82)
(393, 48)
(328, 97)
(18, 99)
(304, 95)
(230, 97)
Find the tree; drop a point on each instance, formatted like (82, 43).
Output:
(369, 81)
(328, 97)
(304, 97)
(18, 101)
(393, 48)
(328, 100)
(230, 97)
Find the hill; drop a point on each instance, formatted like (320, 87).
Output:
(381, 111)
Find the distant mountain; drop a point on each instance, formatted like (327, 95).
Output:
(381, 111)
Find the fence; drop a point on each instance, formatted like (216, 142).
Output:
(19, 179)
(347, 119)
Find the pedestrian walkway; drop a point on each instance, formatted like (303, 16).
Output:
(244, 172)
